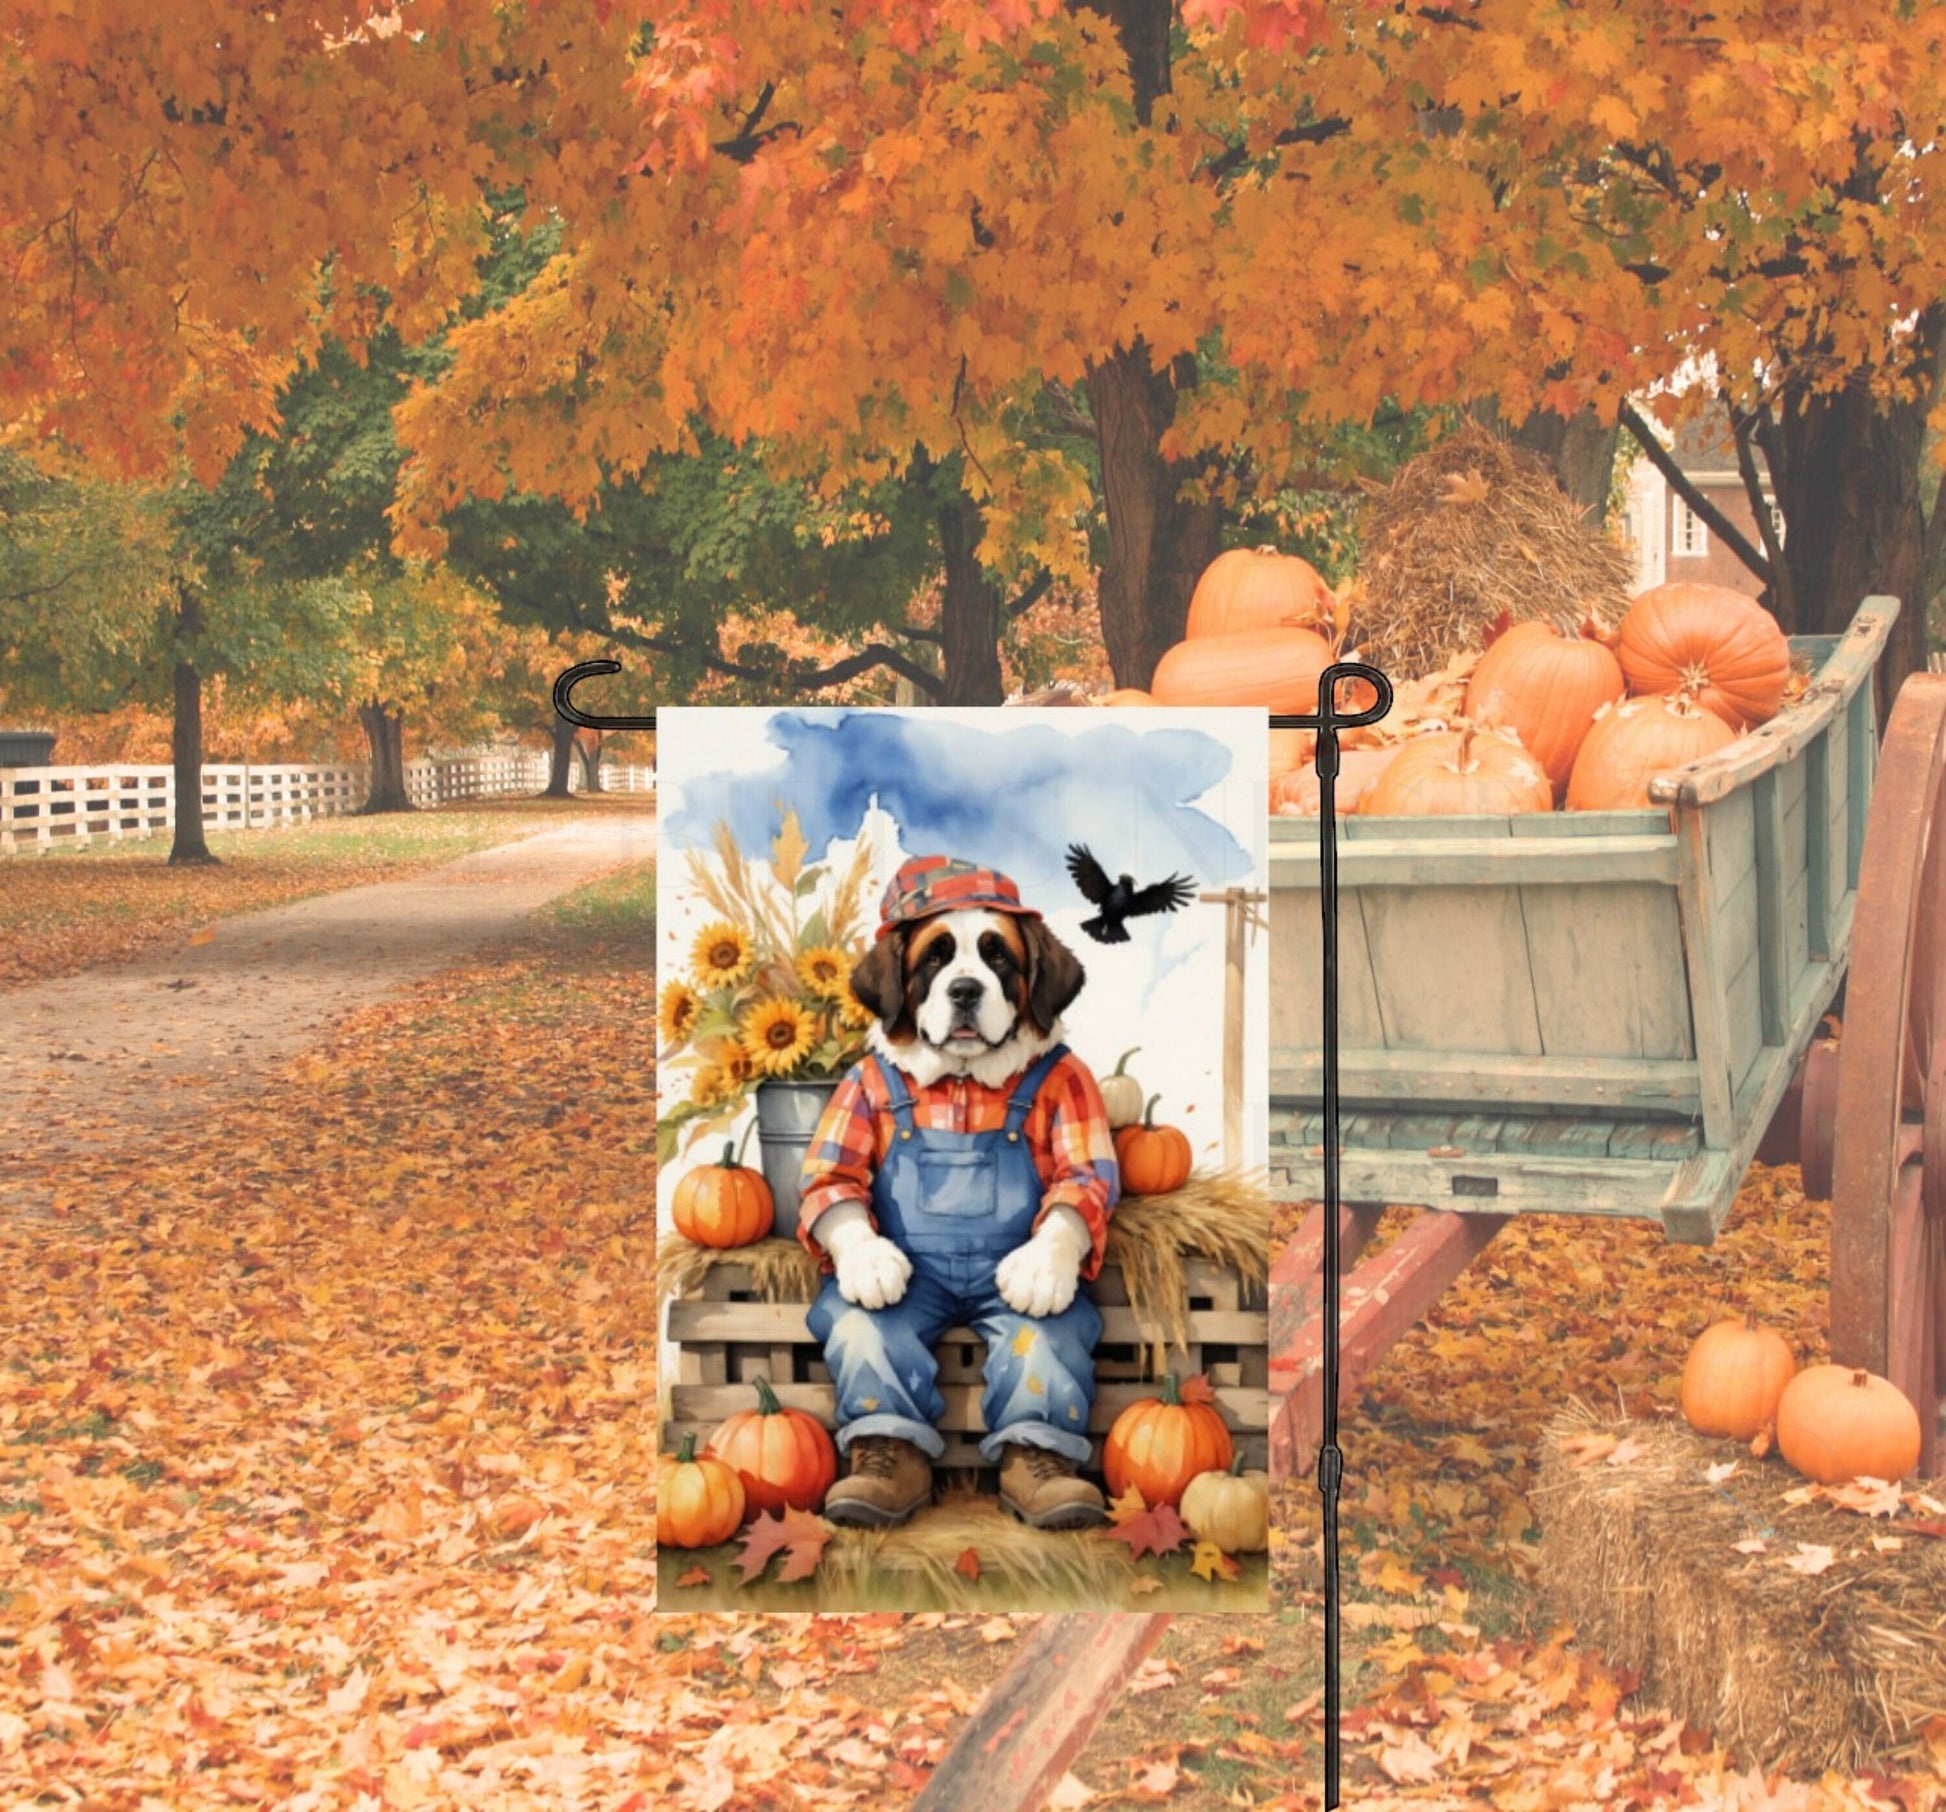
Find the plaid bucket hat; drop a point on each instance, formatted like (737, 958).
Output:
(930, 884)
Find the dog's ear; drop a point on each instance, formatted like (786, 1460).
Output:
(1054, 975)
(878, 979)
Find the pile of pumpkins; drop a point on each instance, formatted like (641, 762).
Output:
(1833, 1423)
(1172, 1449)
(1584, 721)
(728, 1204)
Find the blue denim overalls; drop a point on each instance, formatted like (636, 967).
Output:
(957, 1204)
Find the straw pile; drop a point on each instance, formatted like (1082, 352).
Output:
(1471, 528)
(1222, 1216)
(1822, 1649)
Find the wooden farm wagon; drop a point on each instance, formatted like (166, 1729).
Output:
(1594, 1014)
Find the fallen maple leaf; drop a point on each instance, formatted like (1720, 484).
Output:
(968, 1565)
(1810, 1558)
(1586, 1448)
(1143, 1584)
(1888, 1544)
(1869, 1497)
(1464, 488)
(1211, 1563)
(1762, 1441)
(1130, 1503)
(1754, 1544)
(1627, 1450)
(694, 1577)
(1157, 1531)
(1411, 1759)
(797, 1534)
(1718, 1473)
(1196, 1389)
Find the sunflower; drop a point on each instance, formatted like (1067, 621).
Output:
(734, 1061)
(777, 1033)
(678, 1012)
(722, 954)
(853, 1014)
(825, 971)
(710, 1084)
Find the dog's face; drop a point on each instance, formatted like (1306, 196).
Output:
(970, 992)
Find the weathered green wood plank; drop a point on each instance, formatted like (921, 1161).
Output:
(1861, 751)
(1495, 1183)
(1439, 828)
(1744, 1004)
(1792, 789)
(1607, 969)
(1424, 859)
(1655, 1141)
(1817, 849)
(1450, 964)
(1296, 954)
(1767, 807)
(1619, 1085)
(1708, 985)
(1557, 1136)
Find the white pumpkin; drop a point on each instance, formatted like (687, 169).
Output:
(1121, 1094)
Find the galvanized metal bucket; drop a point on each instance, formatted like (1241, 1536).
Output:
(787, 1116)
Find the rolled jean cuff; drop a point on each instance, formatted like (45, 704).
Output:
(1077, 1448)
(927, 1439)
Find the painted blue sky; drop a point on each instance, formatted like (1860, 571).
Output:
(1013, 798)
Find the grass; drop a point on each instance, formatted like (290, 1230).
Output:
(618, 905)
(73, 908)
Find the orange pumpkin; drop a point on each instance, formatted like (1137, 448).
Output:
(1734, 1376)
(1276, 668)
(1160, 1444)
(698, 1500)
(1129, 695)
(1632, 742)
(725, 1204)
(1835, 1424)
(1298, 794)
(1711, 641)
(1154, 1159)
(1257, 588)
(1546, 688)
(1290, 749)
(783, 1456)
(1469, 771)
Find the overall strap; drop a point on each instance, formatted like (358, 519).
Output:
(1029, 1086)
(899, 1097)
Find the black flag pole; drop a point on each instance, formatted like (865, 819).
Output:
(1328, 722)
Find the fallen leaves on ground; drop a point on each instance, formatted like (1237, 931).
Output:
(796, 1534)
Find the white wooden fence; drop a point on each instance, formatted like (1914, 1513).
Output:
(69, 808)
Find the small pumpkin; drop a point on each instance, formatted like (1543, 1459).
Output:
(1734, 1376)
(698, 1499)
(1634, 741)
(1121, 1094)
(724, 1204)
(1229, 1508)
(783, 1456)
(1154, 1159)
(1290, 749)
(1277, 668)
(1835, 1424)
(1160, 1444)
(1257, 588)
(1465, 771)
(1129, 695)
(1709, 640)
(1546, 687)
(1299, 794)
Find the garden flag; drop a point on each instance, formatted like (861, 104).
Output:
(963, 1050)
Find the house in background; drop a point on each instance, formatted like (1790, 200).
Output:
(1669, 540)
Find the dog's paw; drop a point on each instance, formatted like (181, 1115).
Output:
(1037, 1280)
(874, 1275)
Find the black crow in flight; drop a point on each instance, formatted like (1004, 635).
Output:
(1120, 899)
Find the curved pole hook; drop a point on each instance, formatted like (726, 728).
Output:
(564, 699)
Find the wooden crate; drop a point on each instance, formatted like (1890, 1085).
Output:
(728, 1339)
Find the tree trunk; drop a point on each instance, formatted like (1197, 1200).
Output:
(1846, 471)
(588, 748)
(186, 737)
(1578, 449)
(1158, 544)
(969, 617)
(384, 736)
(562, 762)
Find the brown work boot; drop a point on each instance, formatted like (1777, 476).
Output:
(1043, 1489)
(888, 1480)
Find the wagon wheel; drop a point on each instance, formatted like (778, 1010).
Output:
(1888, 1148)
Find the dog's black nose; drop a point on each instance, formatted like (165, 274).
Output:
(965, 992)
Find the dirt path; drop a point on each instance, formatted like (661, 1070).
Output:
(95, 1061)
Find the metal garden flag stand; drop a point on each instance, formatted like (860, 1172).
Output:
(1038, 1715)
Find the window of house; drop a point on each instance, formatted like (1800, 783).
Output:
(1691, 538)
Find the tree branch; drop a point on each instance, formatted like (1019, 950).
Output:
(1312, 132)
(1778, 593)
(1660, 457)
(747, 140)
(874, 654)
(1035, 591)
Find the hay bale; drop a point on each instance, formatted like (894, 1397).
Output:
(1802, 1670)
(1441, 557)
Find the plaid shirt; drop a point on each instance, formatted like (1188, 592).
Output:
(1067, 1131)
